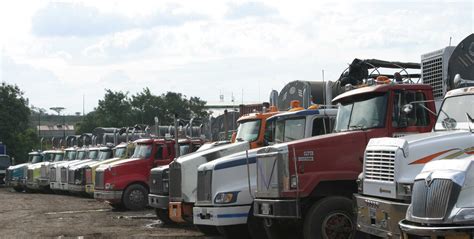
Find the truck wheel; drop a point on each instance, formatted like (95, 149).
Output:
(18, 189)
(208, 230)
(276, 230)
(234, 231)
(330, 218)
(163, 215)
(135, 197)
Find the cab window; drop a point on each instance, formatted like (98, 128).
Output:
(418, 116)
(322, 126)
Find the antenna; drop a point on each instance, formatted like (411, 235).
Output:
(324, 89)
(450, 40)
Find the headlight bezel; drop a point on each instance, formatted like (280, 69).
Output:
(226, 197)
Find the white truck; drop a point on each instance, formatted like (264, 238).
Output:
(391, 165)
(223, 195)
(71, 154)
(61, 170)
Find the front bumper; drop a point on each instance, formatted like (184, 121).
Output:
(379, 217)
(110, 196)
(32, 185)
(43, 182)
(76, 188)
(178, 211)
(16, 183)
(89, 188)
(410, 229)
(64, 186)
(55, 185)
(221, 216)
(277, 208)
(158, 201)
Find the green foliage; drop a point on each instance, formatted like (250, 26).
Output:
(14, 119)
(119, 110)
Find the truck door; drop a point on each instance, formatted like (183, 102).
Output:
(416, 120)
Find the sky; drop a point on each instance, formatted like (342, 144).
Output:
(60, 53)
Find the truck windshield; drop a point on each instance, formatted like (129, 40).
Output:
(248, 130)
(142, 151)
(289, 129)
(81, 155)
(455, 113)
(58, 157)
(4, 161)
(48, 157)
(363, 113)
(104, 154)
(93, 154)
(35, 158)
(120, 152)
(70, 155)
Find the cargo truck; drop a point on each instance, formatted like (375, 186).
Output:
(391, 165)
(308, 184)
(223, 195)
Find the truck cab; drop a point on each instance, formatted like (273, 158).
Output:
(125, 183)
(183, 170)
(309, 183)
(17, 173)
(224, 198)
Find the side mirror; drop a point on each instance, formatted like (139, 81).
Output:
(407, 108)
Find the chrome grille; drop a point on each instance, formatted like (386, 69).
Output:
(52, 174)
(29, 175)
(204, 188)
(175, 181)
(272, 172)
(156, 182)
(63, 175)
(70, 176)
(430, 199)
(380, 165)
(43, 172)
(99, 179)
(432, 74)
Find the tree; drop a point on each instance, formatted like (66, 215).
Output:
(14, 119)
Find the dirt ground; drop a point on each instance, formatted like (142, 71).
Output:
(26, 215)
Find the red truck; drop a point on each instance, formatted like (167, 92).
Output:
(124, 184)
(308, 184)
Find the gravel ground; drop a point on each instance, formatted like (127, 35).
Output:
(26, 215)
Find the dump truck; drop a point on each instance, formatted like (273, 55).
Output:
(223, 195)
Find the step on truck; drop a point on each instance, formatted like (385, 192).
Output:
(307, 185)
(16, 175)
(174, 204)
(124, 184)
(223, 196)
(391, 165)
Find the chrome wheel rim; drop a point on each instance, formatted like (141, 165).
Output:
(337, 226)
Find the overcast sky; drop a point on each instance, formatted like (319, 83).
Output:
(58, 52)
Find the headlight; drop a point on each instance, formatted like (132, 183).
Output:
(166, 186)
(293, 182)
(227, 197)
(404, 189)
(464, 215)
(109, 186)
(360, 183)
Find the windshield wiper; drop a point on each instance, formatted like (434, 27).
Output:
(469, 118)
(239, 139)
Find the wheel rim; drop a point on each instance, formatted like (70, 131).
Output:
(136, 197)
(337, 226)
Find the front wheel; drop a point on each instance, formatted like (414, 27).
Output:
(163, 216)
(330, 218)
(135, 197)
(18, 189)
(208, 230)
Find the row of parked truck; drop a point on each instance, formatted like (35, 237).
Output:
(358, 157)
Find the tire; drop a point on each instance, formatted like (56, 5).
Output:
(234, 231)
(163, 216)
(208, 230)
(135, 197)
(274, 229)
(254, 226)
(330, 218)
(18, 189)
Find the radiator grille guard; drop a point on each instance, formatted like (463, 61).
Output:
(156, 182)
(52, 174)
(204, 186)
(43, 171)
(272, 172)
(99, 179)
(431, 199)
(380, 165)
(29, 175)
(175, 181)
(70, 176)
(63, 175)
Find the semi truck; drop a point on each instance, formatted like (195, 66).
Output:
(5, 162)
(183, 171)
(308, 184)
(16, 175)
(390, 165)
(71, 154)
(33, 173)
(167, 182)
(224, 199)
(124, 184)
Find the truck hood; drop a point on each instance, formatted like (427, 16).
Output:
(18, 166)
(232, 160)
(160, 168)
(82, 164)
(96, 164)
(119, 163)
(212, 153)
